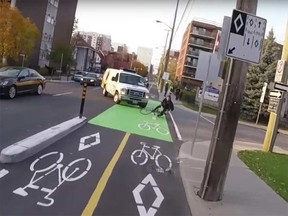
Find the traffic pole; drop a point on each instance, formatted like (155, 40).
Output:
(83, 100)
(221, 146)
(272, 128)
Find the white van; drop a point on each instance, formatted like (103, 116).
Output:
(125, 85)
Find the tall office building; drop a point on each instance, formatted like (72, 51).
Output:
(199, 35)
(144, 55)
(54, 19)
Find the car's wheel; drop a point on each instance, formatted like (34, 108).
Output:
(104, 92)
(143, 105)
(12, 92)
(39, 90)
(116, 98)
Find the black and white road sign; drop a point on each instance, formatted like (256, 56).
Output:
(281, 86)
(246, 37)
(273, 104)
(275, 94)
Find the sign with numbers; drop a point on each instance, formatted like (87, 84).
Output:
(246, 37)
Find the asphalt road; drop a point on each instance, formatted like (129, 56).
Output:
(29, 114)
(96, 170)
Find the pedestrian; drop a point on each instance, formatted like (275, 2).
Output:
(177, 93)
(166, 88)
(166, 105)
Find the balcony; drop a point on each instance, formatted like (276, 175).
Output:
(203, 33)
(201, 44)
(193, 53)
(190, 64)
(190, 75)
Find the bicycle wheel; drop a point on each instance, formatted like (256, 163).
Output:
(76, 177)
(141, 156)
(161, 167)
(33, 164)
(144, 126)
(162, 131)
(146, 110)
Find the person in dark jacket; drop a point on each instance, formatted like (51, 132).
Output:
(166, 88)
(166, 104)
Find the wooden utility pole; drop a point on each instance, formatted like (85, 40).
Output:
(226, 124)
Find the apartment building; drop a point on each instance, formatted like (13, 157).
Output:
(54, 19)
(199, 35)
(100, 42)
(119, 47)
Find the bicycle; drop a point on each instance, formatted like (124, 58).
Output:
(154, 126)
(63, 175)
(149, 110)
(143, 155)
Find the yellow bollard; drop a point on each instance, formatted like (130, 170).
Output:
(269, 133)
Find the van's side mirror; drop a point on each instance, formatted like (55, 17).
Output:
(113, 79)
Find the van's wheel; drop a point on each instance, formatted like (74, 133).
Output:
(116, 98)
(104, 92)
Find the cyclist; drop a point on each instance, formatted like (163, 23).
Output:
(166, 104)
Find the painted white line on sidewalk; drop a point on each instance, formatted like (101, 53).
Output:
(207, 120)
(66, 93)
(3, 172)
(176, 128)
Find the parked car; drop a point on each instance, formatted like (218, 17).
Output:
(78, 75)
(91, 79)
(18, 80)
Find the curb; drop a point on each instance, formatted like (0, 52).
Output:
(31, 145)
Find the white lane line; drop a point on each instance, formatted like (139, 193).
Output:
(3, 172)
(66, 93)
(207, 120)
(176, 128)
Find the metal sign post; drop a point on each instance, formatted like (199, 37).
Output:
(261, 100)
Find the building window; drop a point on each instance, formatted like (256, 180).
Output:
(48, 18)
(52, 20)
(56, 2)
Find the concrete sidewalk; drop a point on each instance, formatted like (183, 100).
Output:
(244, 193)
(179, 103)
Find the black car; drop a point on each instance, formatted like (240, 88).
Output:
(18, 80)
(91, 79)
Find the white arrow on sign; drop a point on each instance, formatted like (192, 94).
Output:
(281, 86)
(277, 94)
(83, 145)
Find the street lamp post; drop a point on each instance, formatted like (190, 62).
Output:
(167, 55)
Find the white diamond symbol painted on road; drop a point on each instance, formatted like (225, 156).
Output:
(157, 202)
(82, 144)
(239, 18)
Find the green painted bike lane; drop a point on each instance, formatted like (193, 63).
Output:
(130, 119)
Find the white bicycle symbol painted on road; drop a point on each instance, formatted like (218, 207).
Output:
(153, 126)
(143, 155)
(65, 174)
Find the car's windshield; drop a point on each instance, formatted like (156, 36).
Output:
(92, 75)
(9, 72)
(131, 79)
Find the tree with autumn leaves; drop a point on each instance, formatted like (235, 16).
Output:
(18, 34)
(140, 68)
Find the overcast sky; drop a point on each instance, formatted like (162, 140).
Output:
(133, 22)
